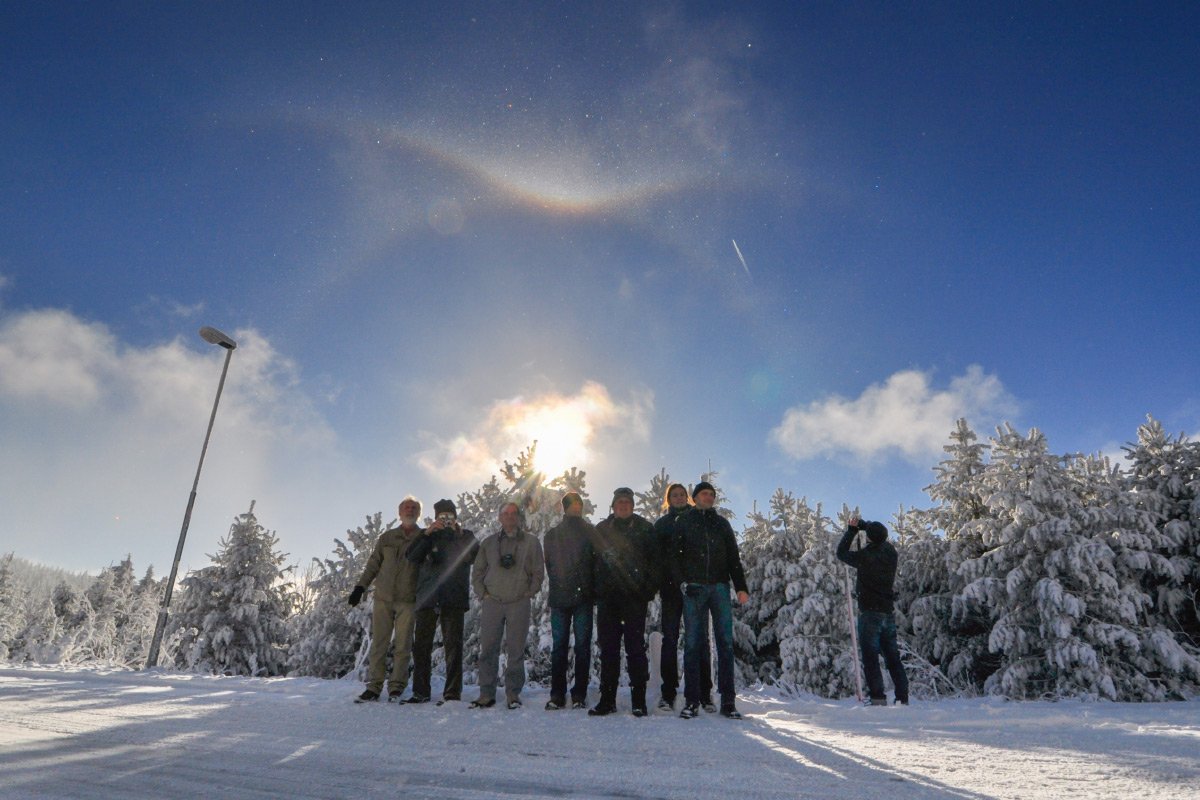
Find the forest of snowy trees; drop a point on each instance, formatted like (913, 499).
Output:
(1031, 575)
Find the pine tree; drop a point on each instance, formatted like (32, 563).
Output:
(12, 610)
(233, 615)
(772, 546)
(1164, 474)
(1062, 580)
(332, 640)
(813, 628)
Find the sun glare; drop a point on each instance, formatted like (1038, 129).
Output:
(562, 435)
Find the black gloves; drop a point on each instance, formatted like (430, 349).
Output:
(356, 596)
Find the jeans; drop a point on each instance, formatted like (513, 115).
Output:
(700, 601)
(672, 614)
(616, 620)
(562, 621)
(452, 647)
(877, 635)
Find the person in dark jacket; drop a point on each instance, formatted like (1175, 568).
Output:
(706, 560)
(626, 580)
(876, 567)
(443, 556)
(676, 502)
(570, 561)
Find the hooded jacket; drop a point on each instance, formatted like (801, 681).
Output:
(570, 562)
(627, 559)
(876, 567)
(443, 558)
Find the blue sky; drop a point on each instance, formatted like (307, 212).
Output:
(440, 231)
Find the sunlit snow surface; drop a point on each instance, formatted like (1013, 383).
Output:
(68, 733)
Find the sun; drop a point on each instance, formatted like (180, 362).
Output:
(562, 436)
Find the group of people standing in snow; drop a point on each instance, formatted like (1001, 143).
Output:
(605, 574)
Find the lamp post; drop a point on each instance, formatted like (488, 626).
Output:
(212, 336)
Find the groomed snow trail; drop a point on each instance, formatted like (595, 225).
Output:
(67, 733)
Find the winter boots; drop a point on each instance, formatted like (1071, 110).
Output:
(637, 698)
(367, 696)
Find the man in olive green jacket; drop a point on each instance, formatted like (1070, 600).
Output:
(507, 574)
(394, 616)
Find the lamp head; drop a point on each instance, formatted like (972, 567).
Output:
(214, 336)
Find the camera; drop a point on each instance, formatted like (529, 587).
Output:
(507, 560)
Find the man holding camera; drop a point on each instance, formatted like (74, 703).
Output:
(508, 573)
(876, 567)
(706, 560)
(570, 563)
(443, 555)
(394, 615)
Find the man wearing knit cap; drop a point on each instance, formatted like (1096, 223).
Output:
(443, 555)
(570, 553)
(706, 561)
(626, 580)
(876, 566)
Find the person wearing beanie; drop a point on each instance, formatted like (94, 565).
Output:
(570, 553)
(705, 561)
(876, 568)
(626, 581)
(394, 608)
(675, 503)
(443, 555)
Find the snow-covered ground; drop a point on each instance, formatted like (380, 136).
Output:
(103, 733)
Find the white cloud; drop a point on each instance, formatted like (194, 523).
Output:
(101, 441)
(904, 415)
(566, 428)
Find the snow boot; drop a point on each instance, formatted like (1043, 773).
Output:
(483, 702)
(666, 705)
(555, 704)
(729, 711)
(578, 703)
(877, 701)
(690, 711)
(414, 700)
(605, 707)
(708, 705)
(637, 699)
(367, 697)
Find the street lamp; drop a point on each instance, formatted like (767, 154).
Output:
(212, 336)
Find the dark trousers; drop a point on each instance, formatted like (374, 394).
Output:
(452, 645)
(617, 620)
(668, 667)
(562, 622)
(877, 636)
(701, 602)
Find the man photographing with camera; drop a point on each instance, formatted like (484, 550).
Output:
(876, 566)
(508, 573)
(443, 555)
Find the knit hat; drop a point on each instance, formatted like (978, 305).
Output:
(624, 491)
(876, 531)
(701, 486)
(571, 498)
(444, 506)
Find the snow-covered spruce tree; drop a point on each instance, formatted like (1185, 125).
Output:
(12, 611)
(233, 615)
(1164, 475)
(1067, 610)
(941, 625)
(772, 546)
(332, 640)
(813, 627)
